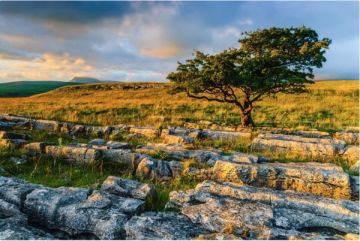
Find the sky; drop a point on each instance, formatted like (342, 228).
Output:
(142, 41)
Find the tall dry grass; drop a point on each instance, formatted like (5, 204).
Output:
(329, 105)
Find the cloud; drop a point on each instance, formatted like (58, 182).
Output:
(144, 40)
(49, 66)
(76, 12)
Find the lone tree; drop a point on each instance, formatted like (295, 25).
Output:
(268, 61)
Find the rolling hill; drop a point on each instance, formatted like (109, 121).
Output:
(84, 80)
(28, 88)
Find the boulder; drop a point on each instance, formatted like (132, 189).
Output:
(263, 213)
(318, 178)
(162, 225)
(74, 154)
(128, 188)
(298, 145)
(151, 168)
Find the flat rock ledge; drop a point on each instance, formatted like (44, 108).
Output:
(322, 179)
(262, 213)
(29, 211)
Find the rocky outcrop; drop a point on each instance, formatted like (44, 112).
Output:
(262, 213)
(78, 212)
(298, 145)
(162, 225)
(322, 179)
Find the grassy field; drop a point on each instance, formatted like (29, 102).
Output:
(28, 88)
(329, 105)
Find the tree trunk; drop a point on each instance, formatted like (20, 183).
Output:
(246, 120)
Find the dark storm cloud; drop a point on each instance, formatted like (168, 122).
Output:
(69, 12)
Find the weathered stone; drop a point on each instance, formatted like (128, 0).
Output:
(97, 142)
(322, 179)
(298, 145)
(270, 213)
(42, 204)
(350, 137)
(7, 125)
(176, 139)
(352, 154)
(226, 135)
(14, 225)
(73, 154)
(47, 125)
(11, 135)
(146, 131)
(217, 236)
(101, 214)
(117, 145)
(35, 147)
(128, 188)
(18, 143)
(225, 215)
(161, 225)
(14, 190)
(121, 156)
(78, 130)
(151, 168)
(355, 185)
(178, 152)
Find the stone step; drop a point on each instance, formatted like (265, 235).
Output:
(263, 213)
(322, 179)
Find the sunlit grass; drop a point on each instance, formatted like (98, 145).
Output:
(329, 105)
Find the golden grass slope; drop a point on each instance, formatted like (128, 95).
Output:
(329, 105)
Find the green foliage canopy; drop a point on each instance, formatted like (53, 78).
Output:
(268, 61)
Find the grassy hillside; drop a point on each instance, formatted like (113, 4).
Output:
(28, 88)
(329, 105)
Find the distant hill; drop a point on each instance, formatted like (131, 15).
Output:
(28, 88)
(84, 80)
